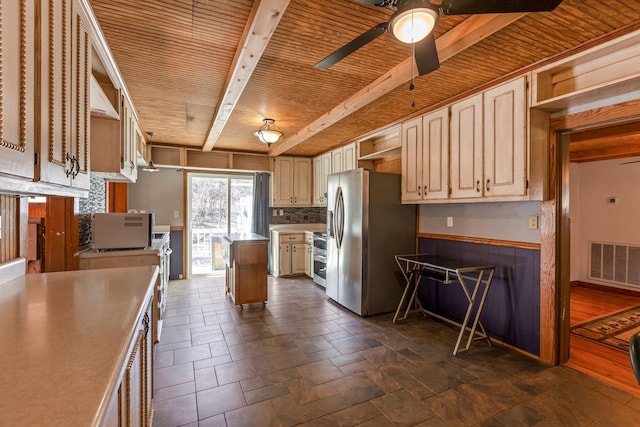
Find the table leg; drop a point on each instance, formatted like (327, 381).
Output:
(471, 298)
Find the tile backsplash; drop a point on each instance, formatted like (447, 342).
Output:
(95, 203)
(291, 215)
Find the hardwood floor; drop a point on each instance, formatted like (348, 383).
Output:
(596, 360)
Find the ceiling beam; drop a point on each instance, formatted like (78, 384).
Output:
(263, 20)
(468, 33)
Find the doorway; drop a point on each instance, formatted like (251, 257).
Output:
(589, 166)
(216, 204)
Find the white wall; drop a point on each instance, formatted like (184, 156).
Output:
(501, 221)
(592, 218)
(160, 193)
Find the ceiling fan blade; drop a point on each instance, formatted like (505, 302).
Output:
(353, 45)
(379, 3)
(464, 7)
(426, 55)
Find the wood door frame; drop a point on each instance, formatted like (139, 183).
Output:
(554, 230)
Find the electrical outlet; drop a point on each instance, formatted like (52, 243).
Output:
(281, 212)
(176, 213)
(275, 212)
(533, 222)
(449, 221)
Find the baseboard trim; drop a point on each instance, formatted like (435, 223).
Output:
(612, 289)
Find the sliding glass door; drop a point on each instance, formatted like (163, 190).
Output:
(217, 204)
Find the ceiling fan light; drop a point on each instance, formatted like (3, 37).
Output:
(269, 132)
(413, 25)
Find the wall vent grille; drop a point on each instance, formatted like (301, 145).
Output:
(615, 263)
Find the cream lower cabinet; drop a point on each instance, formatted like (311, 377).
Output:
(292, 181)
(425, 157)
(290, 254)
(490, 160)
(132, 403)
(308, 247)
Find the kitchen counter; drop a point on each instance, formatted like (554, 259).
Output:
(245, 237)
(65, 338)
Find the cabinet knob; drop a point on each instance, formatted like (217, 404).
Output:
(419, 194)
(488, 185)
(477, 186)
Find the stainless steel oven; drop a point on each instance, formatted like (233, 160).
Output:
(320, 258)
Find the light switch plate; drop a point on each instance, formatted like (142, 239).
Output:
(176, 214)
(449, 221)
(533, 222)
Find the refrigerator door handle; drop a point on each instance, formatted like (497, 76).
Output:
(339, 218)
(330, 226)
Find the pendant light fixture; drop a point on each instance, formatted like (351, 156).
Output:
(269, 132)
(150, 166)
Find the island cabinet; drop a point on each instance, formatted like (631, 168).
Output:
(245, 256)
(132, 404)
(81, 348)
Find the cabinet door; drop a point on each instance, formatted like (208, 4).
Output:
(302, 181)
(308, 264)
(349, 157)
(336, 161)
(299, 258)
(435, 155)
(411, 160)
(317, 181)
(56, 150)
(17, 88)
(128, 149)
(505, 139)
(284, 259)
(80, 108)
(66, 63)
(283, 181)
(326, 171)
(466, 148)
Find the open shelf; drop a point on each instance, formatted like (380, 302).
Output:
(383, 144)
(609, 70)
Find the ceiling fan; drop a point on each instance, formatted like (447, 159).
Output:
(412, 22)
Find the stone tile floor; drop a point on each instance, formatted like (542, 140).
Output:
(304, 360)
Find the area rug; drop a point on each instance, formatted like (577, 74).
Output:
(613, 329)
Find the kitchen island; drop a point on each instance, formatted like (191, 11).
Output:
(245, 256)
(77, 348)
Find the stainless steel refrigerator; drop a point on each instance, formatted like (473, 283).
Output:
(366, 226)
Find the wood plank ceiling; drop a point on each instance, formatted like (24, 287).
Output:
(176, 57)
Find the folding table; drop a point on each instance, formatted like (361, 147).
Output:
(474, 279)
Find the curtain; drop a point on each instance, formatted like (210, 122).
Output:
(260, 223)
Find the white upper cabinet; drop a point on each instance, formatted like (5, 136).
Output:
(321, 169)
(349, 157)
(66, 68)
(466, 148)
(344, 158)
(292, 181)
(17, 127)
(425, 157)
(505, 140)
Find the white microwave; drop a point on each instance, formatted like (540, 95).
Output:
(122, 230)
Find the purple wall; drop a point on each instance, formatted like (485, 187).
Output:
(512, 311)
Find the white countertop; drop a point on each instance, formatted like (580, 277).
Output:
(64, 339)
(297, 228)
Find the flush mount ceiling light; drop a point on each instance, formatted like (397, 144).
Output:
(150, 166)
(413, 21)
(269, 132)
